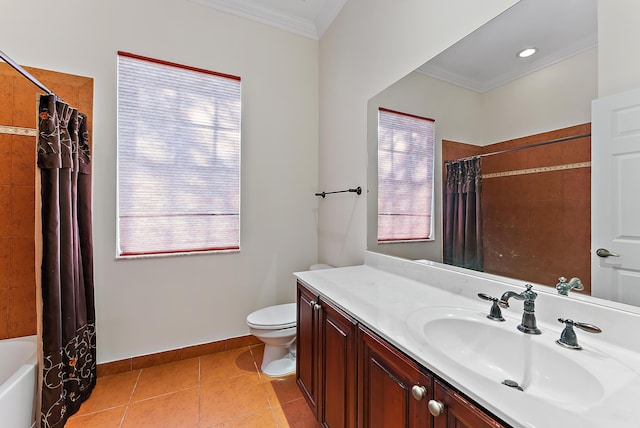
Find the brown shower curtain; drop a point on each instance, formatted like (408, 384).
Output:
(68, 311)
(462, 214)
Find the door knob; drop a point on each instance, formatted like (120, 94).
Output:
(418, 392)
(603, 252)
(436, 408)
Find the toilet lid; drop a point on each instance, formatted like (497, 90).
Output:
(273, 317)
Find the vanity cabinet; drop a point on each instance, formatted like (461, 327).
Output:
(307, 346)
(326, 360)
(393, 390)
(352, 377)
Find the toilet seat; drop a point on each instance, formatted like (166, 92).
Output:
(273, 317)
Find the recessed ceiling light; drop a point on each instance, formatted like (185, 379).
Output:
(527, 52)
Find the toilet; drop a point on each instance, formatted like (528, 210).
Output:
(276, 327)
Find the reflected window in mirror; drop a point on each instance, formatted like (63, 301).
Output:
(405, 176)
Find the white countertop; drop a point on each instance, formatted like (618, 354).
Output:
(384, 292)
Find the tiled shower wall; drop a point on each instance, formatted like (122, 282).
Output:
(536, 206)
(18, 241)
(17, 247)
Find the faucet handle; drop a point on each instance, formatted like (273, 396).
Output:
(495, 313)
(485, 296)
(568, 337)
(582, 326)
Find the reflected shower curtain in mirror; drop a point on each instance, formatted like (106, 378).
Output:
(462, 215)
(68, 311)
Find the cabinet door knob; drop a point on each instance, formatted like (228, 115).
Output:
(436, 408)
(418, 392)
(317, 307)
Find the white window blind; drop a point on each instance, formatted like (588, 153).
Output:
(178, 158)
(405, 176)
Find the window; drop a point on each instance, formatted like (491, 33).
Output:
(405, 176)
(178, 158)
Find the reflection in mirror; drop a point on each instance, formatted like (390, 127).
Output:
(535, 202)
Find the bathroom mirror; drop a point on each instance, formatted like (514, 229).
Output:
(480, 93)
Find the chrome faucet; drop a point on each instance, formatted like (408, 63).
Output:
(528, 324)
(564, 287)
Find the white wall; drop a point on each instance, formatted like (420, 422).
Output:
(151, 305)
(618, 35)
(372, 44)
(552, 98)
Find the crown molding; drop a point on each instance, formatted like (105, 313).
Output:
(279, 19)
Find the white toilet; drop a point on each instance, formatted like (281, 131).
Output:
(276, 327)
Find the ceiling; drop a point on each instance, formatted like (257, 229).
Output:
(487, 58)
(309, 18)
(481, 61)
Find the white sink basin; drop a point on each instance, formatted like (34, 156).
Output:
(497, 351)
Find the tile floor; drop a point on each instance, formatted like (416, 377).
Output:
(222, 390)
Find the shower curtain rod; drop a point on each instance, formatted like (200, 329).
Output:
(559, 140)
(25, 73)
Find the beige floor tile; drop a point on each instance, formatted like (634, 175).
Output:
(231, 398)
(223, 365)
(222, 390)
(296, 414)
(176, 410)
(111, 418)
(110, 391)
(166, 378)
(262, 419)
(281, 390)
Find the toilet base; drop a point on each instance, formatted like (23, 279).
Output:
(282, 367)
(278, 361)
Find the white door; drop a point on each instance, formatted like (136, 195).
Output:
(615, 184)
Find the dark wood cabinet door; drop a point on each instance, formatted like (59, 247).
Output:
(338, 372)
(307, 347)
(458, 412)
(386, 381)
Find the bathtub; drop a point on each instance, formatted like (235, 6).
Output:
(18, 382)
